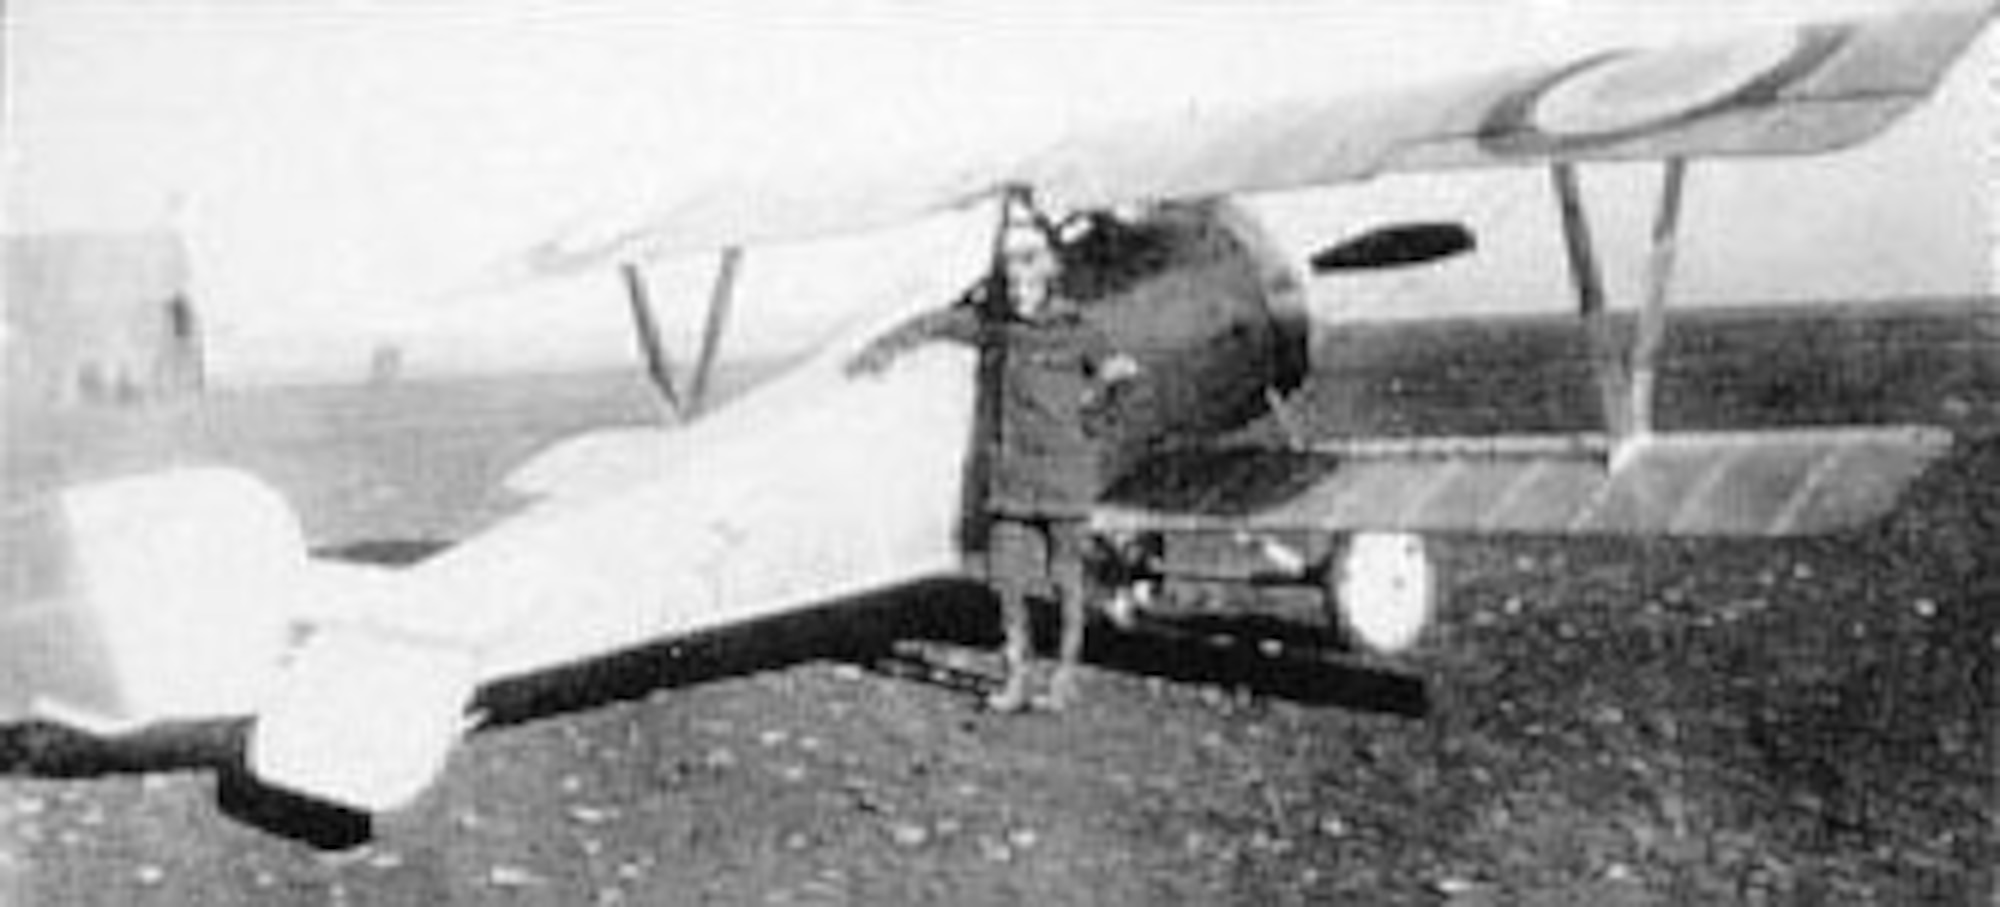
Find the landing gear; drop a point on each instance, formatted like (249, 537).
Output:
(1379, 587)
(1382, 589)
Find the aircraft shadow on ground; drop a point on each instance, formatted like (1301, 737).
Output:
(48, 751)
(874, 632)
(1259, 655)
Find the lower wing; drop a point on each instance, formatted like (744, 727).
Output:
(1741, 483)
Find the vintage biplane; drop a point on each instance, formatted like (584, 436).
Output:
(189, 595)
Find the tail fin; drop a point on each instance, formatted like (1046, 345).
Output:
(147, 598)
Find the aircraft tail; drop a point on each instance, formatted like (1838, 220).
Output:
(365, 716)
(188, 595)
(143, 599)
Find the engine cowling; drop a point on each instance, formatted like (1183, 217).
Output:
(1213, 313)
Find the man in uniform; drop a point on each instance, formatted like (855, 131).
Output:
(1046, 377)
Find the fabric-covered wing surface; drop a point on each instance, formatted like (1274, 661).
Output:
(1804, 90)
(739, 215)
(1811, 89)
(1757, 483)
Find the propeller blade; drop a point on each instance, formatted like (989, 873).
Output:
(1395, 246)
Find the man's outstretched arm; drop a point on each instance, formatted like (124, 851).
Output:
(958, 322)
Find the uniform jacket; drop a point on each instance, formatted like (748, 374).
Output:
(1042, 408)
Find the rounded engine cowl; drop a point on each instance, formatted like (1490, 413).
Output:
(1214, 315)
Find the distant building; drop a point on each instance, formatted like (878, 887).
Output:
(100, 318)
(385, 365)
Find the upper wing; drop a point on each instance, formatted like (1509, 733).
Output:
(1809, 89)
(741, 215)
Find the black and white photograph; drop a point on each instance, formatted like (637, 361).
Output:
(881, 452)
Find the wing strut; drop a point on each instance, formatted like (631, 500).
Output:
(647, 330)
(1015, 202)
(1588, 279)
(1627, 375)
(1652, 331)
(720, 300)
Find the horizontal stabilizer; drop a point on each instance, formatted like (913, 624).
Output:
(365, 716)
(1750, 483)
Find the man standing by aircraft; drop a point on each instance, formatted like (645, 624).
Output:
(1047, 374)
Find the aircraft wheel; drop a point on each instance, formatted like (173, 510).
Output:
(1384, 589)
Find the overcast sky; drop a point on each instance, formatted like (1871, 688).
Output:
(334, 165)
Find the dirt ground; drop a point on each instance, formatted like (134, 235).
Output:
(1805, 722)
